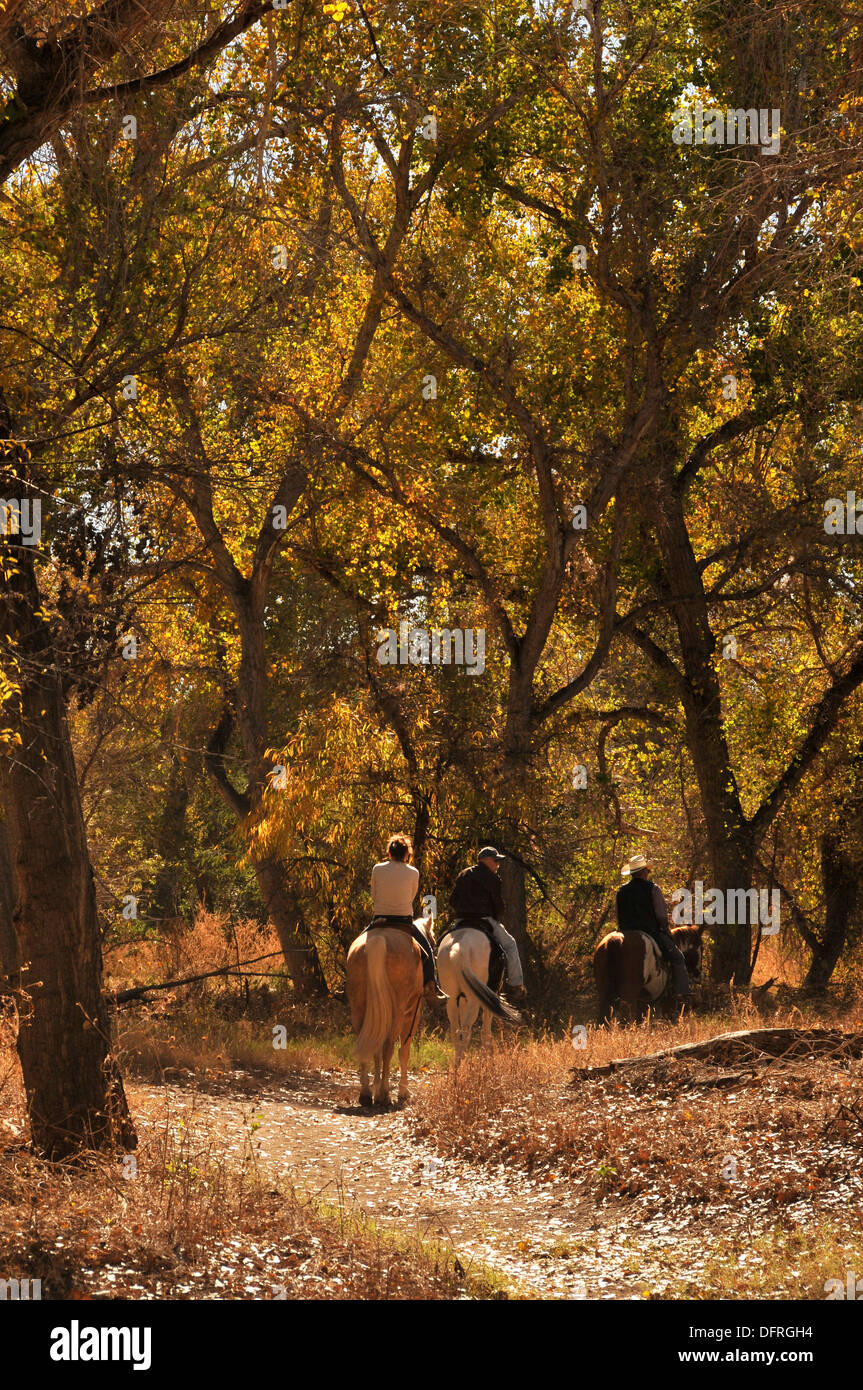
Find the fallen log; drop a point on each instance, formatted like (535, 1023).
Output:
(749, 1045)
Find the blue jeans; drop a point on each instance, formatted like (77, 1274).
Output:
(674, 956)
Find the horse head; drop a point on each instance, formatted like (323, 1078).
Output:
(426, 926)
(690, 941)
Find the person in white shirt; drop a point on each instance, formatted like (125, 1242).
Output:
(395, 884)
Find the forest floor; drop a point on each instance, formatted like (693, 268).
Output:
(519, 1179)
(515, 1187)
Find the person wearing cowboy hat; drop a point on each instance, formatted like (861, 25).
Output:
(477, 896)
(640, 906)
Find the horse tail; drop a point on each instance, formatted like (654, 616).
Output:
(489, 999)
(380, 1006)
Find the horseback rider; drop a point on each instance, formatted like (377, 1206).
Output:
(395, 883)
(477, 898)
(640, 906)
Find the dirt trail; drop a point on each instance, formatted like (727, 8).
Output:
(538, 1237)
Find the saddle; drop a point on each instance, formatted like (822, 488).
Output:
(497, 959)
(404, 924)
(660, 958)
(655, 943)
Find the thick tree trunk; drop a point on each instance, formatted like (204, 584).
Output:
(513, 796)
(169, 844)
(840, 895)
(731, 846)
(283, 910)
(512, 882)
(8, 944)
(75, 1095)
(280, 904)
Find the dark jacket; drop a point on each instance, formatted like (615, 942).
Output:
(477, 893)
(635, 907)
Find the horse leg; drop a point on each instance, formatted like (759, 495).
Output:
(452, 1017)
(485, 1035)
(463, 1027)
(365, 1088)
(625, 1008)
(468, 1016)
(382, 1094)
(404, 1061)
(409, 1023)
(457, 1009)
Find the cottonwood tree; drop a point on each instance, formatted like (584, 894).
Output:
(245, 430)
(56, 70)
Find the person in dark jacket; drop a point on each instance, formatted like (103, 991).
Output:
(477, 896)
(640, 906)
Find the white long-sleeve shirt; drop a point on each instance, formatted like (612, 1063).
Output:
(394, 887)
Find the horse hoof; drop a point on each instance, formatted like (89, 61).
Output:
(403, 1098)
(383, 1103)
(366, 1100)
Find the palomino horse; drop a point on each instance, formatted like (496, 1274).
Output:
(462, 962)
(630, 968)
(384, 984)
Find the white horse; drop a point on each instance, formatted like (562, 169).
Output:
(462, 961)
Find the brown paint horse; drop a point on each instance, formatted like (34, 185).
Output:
(629, 968)
(384, 984)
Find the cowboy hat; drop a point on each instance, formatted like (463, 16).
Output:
(634, 863)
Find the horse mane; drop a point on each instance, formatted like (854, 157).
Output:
(688, 933)
(426, 926)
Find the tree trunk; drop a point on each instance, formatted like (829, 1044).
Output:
(75, 1096)
(422, 819)
(731, 845)
(512, 797)
(840, 896)
(170, 842)
(283, 910)
(512, 882)
(280, 903)
(8, 944)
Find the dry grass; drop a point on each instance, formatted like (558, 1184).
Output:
(768, 1145)
(754, 1189)
(212, 943)
(209, 1038)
